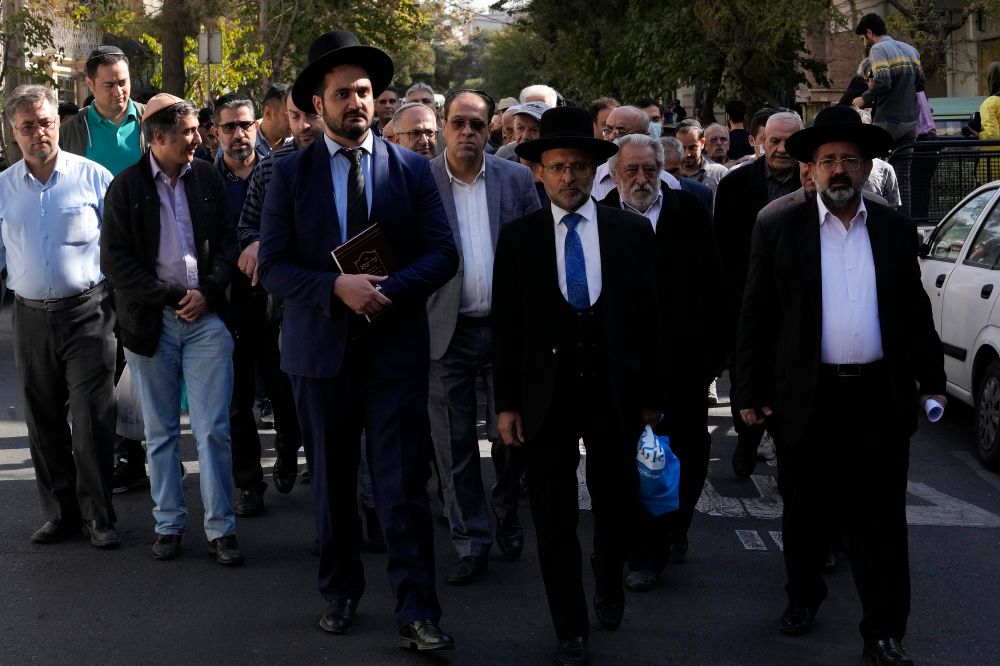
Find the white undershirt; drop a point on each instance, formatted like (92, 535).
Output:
(591, 241)
(851, 329)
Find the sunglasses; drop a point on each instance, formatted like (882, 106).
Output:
(245, 125)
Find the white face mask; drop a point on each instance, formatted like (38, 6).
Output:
(655, 130)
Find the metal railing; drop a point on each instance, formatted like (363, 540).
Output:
(936, 174)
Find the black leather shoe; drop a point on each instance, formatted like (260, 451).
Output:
(640, 581)
(373, 530)
(250, 502)
(226, 551)
(678, 549)
(797, 619)
(467, 569)
(130, 473)
(286, 469)
(54, 531)
(338, 618)
(424, 635)
(609, 607)
(572, 652)
(886, 651)
(167, 546)
(101, 534)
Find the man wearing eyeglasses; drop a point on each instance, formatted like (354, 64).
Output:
(481, 193)
(837, 351)
(416, 128)
(51, 212)
(622, 121)
(717, 143)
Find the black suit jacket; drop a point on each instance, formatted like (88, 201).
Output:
(689, 280)
(527, 315)
(130, 242)
(740, 196)
(778, 357)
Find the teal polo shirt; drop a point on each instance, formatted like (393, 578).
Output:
(114, 147)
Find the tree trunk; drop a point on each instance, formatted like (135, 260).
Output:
(178, 19)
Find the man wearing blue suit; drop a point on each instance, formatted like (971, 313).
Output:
(348, 373)
(480, 193)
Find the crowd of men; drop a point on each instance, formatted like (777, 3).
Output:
(569, 259)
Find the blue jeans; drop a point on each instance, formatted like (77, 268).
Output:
(202, 353)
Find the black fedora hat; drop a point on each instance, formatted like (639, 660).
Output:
(566, 127)
(838, 123)
(340, 47)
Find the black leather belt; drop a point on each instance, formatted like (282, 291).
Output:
(474, 321)
(851, 369)
(58, 304)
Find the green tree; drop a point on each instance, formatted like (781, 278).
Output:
(513, 59)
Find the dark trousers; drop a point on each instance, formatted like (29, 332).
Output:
(687, 426)
(453, 409)
(551, 458)
(851, 462)
(393, 413)
(66, 360)
(256, 349)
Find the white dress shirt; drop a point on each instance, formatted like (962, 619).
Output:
(587, 228)
(477, 242)
(340, 168)
(176, 259)
(652, 213)
(604, 183)
(851, 329)
(50, 232)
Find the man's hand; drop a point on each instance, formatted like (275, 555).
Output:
(511, 428)
(857, 102)
(248, 262)
(193, 306)
(751, 417)
(359, 294)
(650, 416)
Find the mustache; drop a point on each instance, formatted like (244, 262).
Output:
(645, 187)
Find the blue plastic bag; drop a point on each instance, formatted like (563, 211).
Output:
(659, 473)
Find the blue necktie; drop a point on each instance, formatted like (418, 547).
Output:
(576, 267)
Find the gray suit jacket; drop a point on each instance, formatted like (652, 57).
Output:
(510, 194)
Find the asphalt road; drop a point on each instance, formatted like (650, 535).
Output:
(70, 603)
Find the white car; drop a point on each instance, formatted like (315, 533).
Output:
(960, 269)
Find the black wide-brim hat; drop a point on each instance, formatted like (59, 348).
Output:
(566, 127)
(838, 123)
(340, 47)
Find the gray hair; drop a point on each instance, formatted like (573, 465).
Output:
(419, 86)
(233, 104)
(692, 127)
(638, 140)
(397, 117)
(720, 126)
(551, 96)
(27, 97)
(672, 144)
(166, 119)
(789, 116)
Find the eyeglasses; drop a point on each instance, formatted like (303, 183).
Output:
(458, 124)
(719, 139)
(245, 125)
(849, 164)
(620, 131)
(28, 129)
(416, 134)
(577, 168)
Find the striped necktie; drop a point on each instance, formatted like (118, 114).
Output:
(357, 204)
(576, 266)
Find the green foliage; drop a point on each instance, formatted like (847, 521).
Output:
(512, 59)
(24, 33)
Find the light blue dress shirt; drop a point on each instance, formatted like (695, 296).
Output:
(340, 167)
(50, 233)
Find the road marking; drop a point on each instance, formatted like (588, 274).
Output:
(714, 504)
(778, 540)
(768, 506)
(751, 540)
(973, 463)
(946, 510)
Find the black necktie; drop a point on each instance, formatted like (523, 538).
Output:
(357, 204)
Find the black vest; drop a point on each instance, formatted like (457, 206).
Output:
(584, 356)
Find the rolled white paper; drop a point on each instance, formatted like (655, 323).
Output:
(933, 409)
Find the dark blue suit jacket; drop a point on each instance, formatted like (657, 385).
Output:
(299, 229)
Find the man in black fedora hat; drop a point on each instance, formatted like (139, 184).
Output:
(356, 346)
(575, 339)
(837, 350)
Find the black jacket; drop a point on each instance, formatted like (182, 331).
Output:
(689, 280)
(780, 330)
(130, 238)
(527, 316)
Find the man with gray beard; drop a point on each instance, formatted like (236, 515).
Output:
(693, 344)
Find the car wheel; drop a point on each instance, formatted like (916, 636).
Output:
(988, 416)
